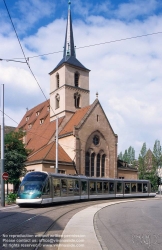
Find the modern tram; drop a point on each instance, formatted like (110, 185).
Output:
(45, 188)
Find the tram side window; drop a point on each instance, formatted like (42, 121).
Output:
(63, 187)
(84, 187)
(76, 187)
(134, 187)
(56, 187)
(99, 187)
(111, 187)
(127, 188)
(119, 187)
(145, 189)
(92, 187)
(70, 187)
(46, 189)
(105, 187)
(139, 187)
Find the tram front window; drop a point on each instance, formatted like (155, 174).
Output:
(30, 187)
(35, 176)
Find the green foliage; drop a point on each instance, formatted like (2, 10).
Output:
(157, 155)
(120, 156)
(11, 198)
(148, 164)
(15, 156)
(128, 156)
(142, 162)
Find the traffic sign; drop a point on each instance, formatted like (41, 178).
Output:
(5, 176)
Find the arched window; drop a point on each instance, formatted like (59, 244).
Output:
(87, 164)
(57, 100)
(103, 165)
(57, 80)
(77, 100)
(98, 166)
(92, 163)
(76, 79)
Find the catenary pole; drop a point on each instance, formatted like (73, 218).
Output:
(56, 145)
(2, 147)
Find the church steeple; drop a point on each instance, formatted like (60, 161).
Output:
(69, 80)
(69, 55)
(69, 49)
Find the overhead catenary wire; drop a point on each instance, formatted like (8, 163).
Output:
(27, 59)
(87, 46)
(28, 131)
(48, 138)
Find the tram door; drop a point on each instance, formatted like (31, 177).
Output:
(47, 192)
(119, 189)
(84, 189)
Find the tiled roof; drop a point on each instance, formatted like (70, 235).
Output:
(48, 153)
(74, 121)
(38, 135)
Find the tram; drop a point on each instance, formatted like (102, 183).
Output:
(45, 188)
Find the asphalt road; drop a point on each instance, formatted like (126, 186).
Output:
(23, 228)
(132, 225)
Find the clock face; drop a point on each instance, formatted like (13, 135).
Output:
(96, 140)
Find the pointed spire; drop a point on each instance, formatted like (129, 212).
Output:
(69, 55)
(69, 49)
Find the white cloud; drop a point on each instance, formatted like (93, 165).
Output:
(126, 74)
(136, 8)
(27, 14)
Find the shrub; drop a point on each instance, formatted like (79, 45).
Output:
(11, 198)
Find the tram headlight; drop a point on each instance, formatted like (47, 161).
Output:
(38, 196)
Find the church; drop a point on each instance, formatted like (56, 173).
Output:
(84, 143)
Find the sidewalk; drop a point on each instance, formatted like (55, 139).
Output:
(80, 229)
(7, 206)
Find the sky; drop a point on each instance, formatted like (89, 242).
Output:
(125, 71)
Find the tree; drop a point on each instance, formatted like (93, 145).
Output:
(120, 156)
(131, 154)
(15, 156)
(128, 156)
(142, 162)
(145, 171)
(157, 162)
(157, 155)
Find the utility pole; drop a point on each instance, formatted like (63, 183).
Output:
(56, 145)
(2, 148)
(160, 180)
